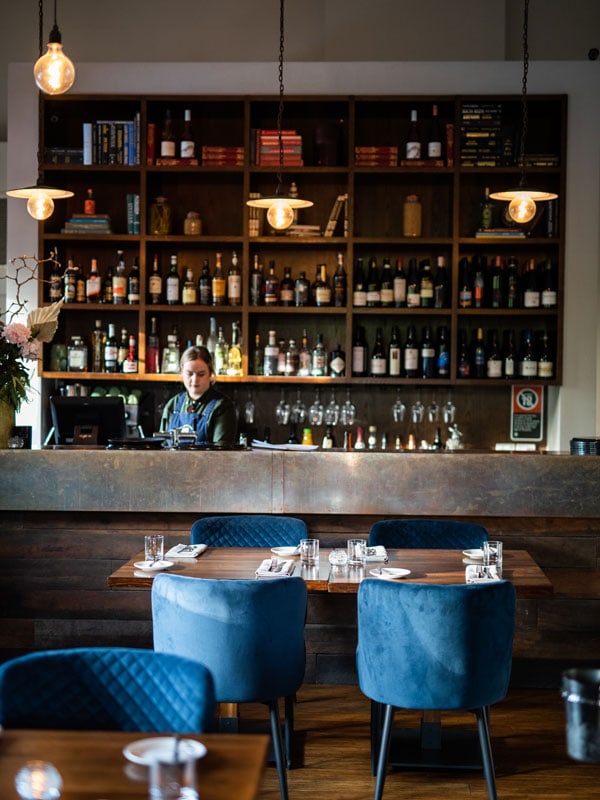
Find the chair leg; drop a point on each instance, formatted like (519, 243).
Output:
(278, 748)
(384, 750)
(376, 723)
(288, 728)
(483, 727)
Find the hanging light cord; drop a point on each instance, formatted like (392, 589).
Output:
(40, 108)
(280, 109)
(524, 114)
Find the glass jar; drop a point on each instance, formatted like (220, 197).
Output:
(192, 224)
(160, 217)
(412, 216)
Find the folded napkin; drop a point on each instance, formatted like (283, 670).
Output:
(377, 553)
(186, 551)
(276, 568)
(477, 573)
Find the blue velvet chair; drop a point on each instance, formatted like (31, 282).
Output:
(435, 647)
(106, 688)
(427, 533)
(249, 633)
(248, 530)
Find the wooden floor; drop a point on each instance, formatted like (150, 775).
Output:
(332, 747)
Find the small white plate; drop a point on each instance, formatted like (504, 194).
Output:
(152, 566)
(389, 573)
(475, 555)
(146, 751)
(286, 552)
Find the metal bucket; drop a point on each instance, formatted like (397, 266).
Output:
(581, 692)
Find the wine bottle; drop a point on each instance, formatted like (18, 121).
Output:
(478, 287)
(234, 353)
(463, 359)
(545, 364)
(465, 293)
(107, 286)
(494, 356)
(172, 283)
(167, 137)
(478, 355)
(410, 359)
(513, 284)
(497, 284)
(256, 283)
(359, 293)
(378, 368)
(413, 285)
(443, 352)
(395, 354)
(271, 287)
(427, 355)
(486, 212)
(119, 281)
(93, 285)
(340, 283)
(130, 363)
(187, 143)
(509, 356)
(304, 356)
(434, 143)
(386, 290)
(548, 297)
(123, 349)
(234, 282)
(426, 284)
(153, 348)
(221, 353)
(111, 349)
(133, 284)
(322, 287)
(528, 367)
(189, 291)
(98, 340)
(205, 285)
(399, 284)
(413, 139)
(531, 290)
(359, 353)
(286, 288)
(155, 283)
(258, 357)
(440, 285)
(218, 285)
(373, 285)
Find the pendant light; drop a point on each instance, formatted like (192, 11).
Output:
(522, 200)
(54, 72)
(280, 207)
(40, 198)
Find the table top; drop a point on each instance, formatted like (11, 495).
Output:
(92, 764)
(426, 566)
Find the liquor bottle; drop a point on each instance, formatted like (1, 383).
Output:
(70, 282)
(98, 340)
(271, 355)
(258, 357)
(205, 285)
(486, 211)
(386, 290)
(494, 355)
(434, 143)
(79, 285)
(304, 356)
(89, 204)
(211, 339)
(187, 143)
(119, 281)
(443, 352)
(378, 364)
(77, 355)
(395, 354)
(479, 287)
(531, 290)
(218, 283)
(93, 285)
(340, 283)
(548, 298)
(111, 349)
(171, 353)
(234, 282)
(189, 291)
(256, 283)
(359, 293)
(302, 291)
(399, 284)
(528, 367)
(107, 287)
(328, 440)
(153, 348)
(465, 291)
(440, 284)
(133, 283)
(55, 291)
(545, 365)
(513, 284)
(172, 283)
(234, 354)
(221, 352)
(463, 359)
(155, 283)
(167, 137)
(337, 362)
(497, 284)
(281, 357)
(291, 359)
(293, 434)
(413, 139)
(413, 285)
(428, 357)
(130, 364)
(322, 287)
(286, 288)
(271, 287)
(318, 366)
(426, 284)
(359, 353)
(410, 357)
(509, 356)
(373, 285)
(122, 349)
(478, 355)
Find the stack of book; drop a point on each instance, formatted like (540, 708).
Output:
(484, 140)
(303, 230)
(109, 141)
(266, 149)
(375, 156)
(222, 156)
(256, 216)
(340, 204)
(88, 223)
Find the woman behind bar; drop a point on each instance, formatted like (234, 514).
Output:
(202, 406)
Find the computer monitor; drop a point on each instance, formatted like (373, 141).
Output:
(87, 420)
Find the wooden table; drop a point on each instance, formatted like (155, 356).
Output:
(93, 767)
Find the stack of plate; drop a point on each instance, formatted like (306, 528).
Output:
(582, 446)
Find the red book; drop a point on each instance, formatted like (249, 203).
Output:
(150, 143)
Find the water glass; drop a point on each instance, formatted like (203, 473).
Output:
(309, 552)
(38, 780)
(154, 547)
(357, 552)
(173, 780)
(492, 554)
(338, 557)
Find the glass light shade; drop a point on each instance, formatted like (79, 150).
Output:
(38, 780)
(521, 208)
(40, 199)
(40, 205)
(54, 72)
(280, 215)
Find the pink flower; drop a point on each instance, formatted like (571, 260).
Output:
(15, 333)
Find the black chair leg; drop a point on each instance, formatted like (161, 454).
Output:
(483, 727)
(288, 728)
(278, 748)
(376, 723)
(384, 750)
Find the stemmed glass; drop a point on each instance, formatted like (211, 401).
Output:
(398, 409)
(348, 411)
(298, 413)
(332, 410)
(249, 409)
(433, 410)
(315, 412)
(449, 410)
(282, 410)
(417, 412)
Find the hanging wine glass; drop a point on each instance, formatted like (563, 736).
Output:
(348, 411)
(298, 413)
(417, 412)
(249, 409)
(315, 412)
(398, 409)
(282, 410)
(332, 411)
(433, 410)
(449, 410)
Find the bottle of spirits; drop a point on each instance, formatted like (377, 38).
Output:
(98, 341)
(218, 283)
(302, 291)
(322, 287)
(153, 348)
(428, 357)
(486, 212)
(89, 204)
(497, 284)
(443, 352)
(465, 291)
(211, 339)
(258, 357)
(359, 353)
(413, 138)
(386, 290)
(256, 283)
(318, 368)
(337, 362)
(122, 349)
(463, 359)
(359, 294)
(79, 285)
(155, 287)
(494, 355)
(410, 356)
(130, 364)
(133, 284)
(548, 296)
(119, 281)
(399, 284)
(221, 353)
(234, 354)
(479, 287)
(291, 359)
(77, 355)
(189, 290)
(479, 358)
(171, 354)
(426, 284)
(531, 290)
(528, 367)
(293, 434)
(167, 137)
(173, 283)
(513, 284)
(340, 283)
(55, 291)
(70, 282)
(234, 282)
(509, 355)
(373, 285)
(395, 354)
(413, 285)
(281, 357)
(440, 284)
(107, 287)
(434, 143)
(271, 355)
(187, 143)
(304, 356)
(111, 350)
(205, 285)
(286, 288)
(93, 285)
(271, 287)
(378, 364)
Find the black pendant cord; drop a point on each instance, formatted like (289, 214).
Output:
(280, 109)
(40, 111)
(524, 113)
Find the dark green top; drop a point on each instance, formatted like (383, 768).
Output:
(222, 422)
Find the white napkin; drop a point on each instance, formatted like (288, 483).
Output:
(276, 568)
(377, 553)
(477, 573)
(186, 551)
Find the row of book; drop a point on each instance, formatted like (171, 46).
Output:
(112, 142)
(222, 156)
(96, 224)
(266, 151)
(485, 139)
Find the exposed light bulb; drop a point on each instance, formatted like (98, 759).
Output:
(280, 215)
(54, 72)
(521, 207)
(40, 205)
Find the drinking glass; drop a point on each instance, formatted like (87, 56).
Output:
(38, 780)
(449, 410)
(348, 411)
(316, 411)
(154, 547)
(173, 780)
(309, 552)
(492, 554)
(433, 410)
(298, 412)
(417, 412)
(398, 409)
(249, 410)
(282, 410)
(332, 410)
(357, 552)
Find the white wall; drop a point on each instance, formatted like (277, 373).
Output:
(573, 407)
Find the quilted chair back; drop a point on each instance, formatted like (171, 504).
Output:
(248, 530)
(427, 533)
(108, 688)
